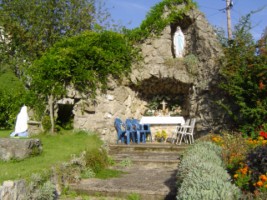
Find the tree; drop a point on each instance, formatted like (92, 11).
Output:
(244, 80)
(31, 27)
(84, 61)
(35, 25)
(262, 43)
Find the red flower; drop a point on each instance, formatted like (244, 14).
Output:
(263, 134)
(261, 85)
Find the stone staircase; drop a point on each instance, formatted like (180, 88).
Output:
(152, 174)
(148, 155)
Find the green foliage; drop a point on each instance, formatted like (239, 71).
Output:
(257, 162)
(188, 63)
(127, 162)
(191, 62)
(46, 123)
(202, 176)
(88, 173)
(244, 80)
(85, 60)
(155, 22)
(133, 196)
(108, 173)
(39, 188)
(96, 159)
(12, 97)
(35, 25)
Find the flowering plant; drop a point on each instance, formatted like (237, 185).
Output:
(161, 136)
(261, 184)
(263, 134)
(242, 177)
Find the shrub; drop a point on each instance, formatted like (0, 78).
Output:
(88, 173)
(201, 174)
(235, 149)
(207, 186)
(46, 124)
(96, 159)
(39, 188)
(126, 162)
(191, 62)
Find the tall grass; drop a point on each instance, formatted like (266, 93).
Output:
(56, 149)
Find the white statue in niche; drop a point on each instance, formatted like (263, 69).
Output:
(179, 43)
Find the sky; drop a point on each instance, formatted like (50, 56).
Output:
(131, 13)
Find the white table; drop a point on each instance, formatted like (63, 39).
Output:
(163, 120)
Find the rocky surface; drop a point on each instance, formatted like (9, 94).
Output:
(15, 148)
(188, 81)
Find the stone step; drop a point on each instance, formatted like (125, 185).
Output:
(148, 155)
(170, 164)
(152, 174)
(150, 159)
(150, 184)
(148, 147)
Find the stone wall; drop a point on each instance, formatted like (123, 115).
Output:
(99, 116)
(13, 190)
(160, 73)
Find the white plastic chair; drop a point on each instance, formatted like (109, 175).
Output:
(187, 130)
(179, 130)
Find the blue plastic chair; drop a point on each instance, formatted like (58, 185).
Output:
(142, 131)
(121, 133)
(138, 133)
(130, 130)
(146, 131)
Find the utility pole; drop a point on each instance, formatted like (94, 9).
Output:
(229, 5)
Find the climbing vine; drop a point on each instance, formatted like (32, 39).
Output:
(155, 22)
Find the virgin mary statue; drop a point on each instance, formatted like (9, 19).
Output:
(179, 43)
(21, 127)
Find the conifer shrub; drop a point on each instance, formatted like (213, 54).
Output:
(201, 174)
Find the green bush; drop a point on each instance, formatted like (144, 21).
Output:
(40, 189)
(243, 80)
(88, 173)
(201, 174)
(207, 186)
(96, 159)
(12, 97)
(46, 123)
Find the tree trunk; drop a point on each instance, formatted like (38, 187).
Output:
(51, 112)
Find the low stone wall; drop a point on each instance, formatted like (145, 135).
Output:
(13, 190)
(13, 148)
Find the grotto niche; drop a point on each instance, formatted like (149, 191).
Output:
(164, 97)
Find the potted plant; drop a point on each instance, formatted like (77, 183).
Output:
(161, 136)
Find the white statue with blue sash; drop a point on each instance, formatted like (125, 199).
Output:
(21, 127)
(179, 43)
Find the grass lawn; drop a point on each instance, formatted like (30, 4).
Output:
(56, 149)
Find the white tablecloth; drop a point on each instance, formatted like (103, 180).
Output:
(162, 120)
